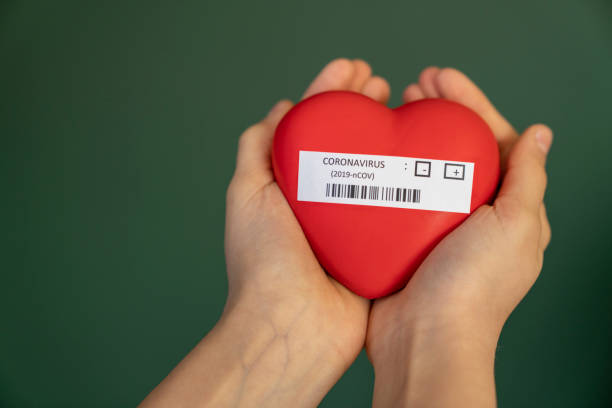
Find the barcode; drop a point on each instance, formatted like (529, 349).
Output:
(400, 194)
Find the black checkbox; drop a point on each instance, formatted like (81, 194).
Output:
(454, 171)
(422, 168)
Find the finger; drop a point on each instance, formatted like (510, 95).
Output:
(255, 143)
(525, 179)
(337, 75)
(277, 112)
(363, 72)
(412, 93)
(456, 86)
(378, 89)
(426, 82)
(546, 233)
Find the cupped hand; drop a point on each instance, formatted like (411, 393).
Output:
(274, 277)
(470, 283)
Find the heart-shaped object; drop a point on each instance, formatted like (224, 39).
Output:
(373, 239)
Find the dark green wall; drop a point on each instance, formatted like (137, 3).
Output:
(118, 126)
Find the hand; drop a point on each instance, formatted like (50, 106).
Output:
(288, 330)
(433, 343)
(274, 277)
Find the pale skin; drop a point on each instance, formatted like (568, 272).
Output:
(289, 331)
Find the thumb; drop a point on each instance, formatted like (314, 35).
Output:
(525, 179)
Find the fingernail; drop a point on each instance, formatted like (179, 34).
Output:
(338, 66)
(544, 139)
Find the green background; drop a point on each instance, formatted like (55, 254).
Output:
(119, 122)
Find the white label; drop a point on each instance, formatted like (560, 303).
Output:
(385, 181)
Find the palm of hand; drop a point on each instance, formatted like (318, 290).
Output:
(484, 267)
(459, 279)
(283, 271)
(271, 267)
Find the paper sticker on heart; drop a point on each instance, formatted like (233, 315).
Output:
(369, 220)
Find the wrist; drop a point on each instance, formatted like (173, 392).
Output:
(252, 358)
(425, 351)
(431, 335)
(329, 323)
(282, 352)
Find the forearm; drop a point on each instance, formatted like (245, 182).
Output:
(248, 361)
(436, 366)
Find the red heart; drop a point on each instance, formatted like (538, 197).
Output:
(374, 250)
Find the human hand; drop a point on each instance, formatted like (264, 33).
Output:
(433, 343)
(288, 330)
(274, 277)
